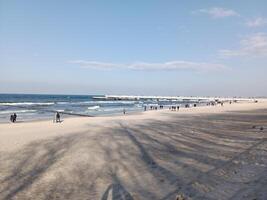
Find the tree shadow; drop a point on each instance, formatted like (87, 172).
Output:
(29, 164)
(225, 133)
(161, 173)
(154, 159)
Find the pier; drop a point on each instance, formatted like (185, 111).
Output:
(170, 98)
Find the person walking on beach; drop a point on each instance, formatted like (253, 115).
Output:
(14, 117)
(57, 116)
(124, 111)
(11, 118)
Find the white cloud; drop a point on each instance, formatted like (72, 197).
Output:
(217, 12)
(166, 66)
(253, 46)
(257, 22)
(95, 64)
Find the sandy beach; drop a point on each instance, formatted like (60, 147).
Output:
(215, 152)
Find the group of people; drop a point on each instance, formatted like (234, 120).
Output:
(153, 107)
(156, 107)
(174, 108)
(13, 118)
(219, 103)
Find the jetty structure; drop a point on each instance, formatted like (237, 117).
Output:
(170, 98)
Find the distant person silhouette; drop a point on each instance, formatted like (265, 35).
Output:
(14, 117)
(11, 118)
(57, 117)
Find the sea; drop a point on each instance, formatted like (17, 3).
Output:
(29, 107)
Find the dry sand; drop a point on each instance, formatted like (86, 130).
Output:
(203, 153)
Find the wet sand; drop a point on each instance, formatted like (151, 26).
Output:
(203, 153)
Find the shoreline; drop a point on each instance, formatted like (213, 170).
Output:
(79, 124)
(115, 114)
(70, 116)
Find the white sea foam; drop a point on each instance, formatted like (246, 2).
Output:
(16, 111)
(139, 105)
(60, 110)
(116, 109)
(151, 104)
(93, 107)
(98, 102)
(113, 102)
(26, 103)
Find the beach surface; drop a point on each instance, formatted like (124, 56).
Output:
(214, 152)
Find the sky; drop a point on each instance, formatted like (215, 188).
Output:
(140, 47)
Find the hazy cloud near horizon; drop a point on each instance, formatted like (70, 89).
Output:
(167, 66)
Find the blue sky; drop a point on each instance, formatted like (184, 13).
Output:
(151, 47)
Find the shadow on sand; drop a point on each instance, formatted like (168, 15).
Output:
(195, 156)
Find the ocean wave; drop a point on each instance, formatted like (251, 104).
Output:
(113, 102)
(151, 104)
(97, 102)
(93, 107)
(60, 110)
(27, 103)
(63, 103)
(16, 111)
(116, 109)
